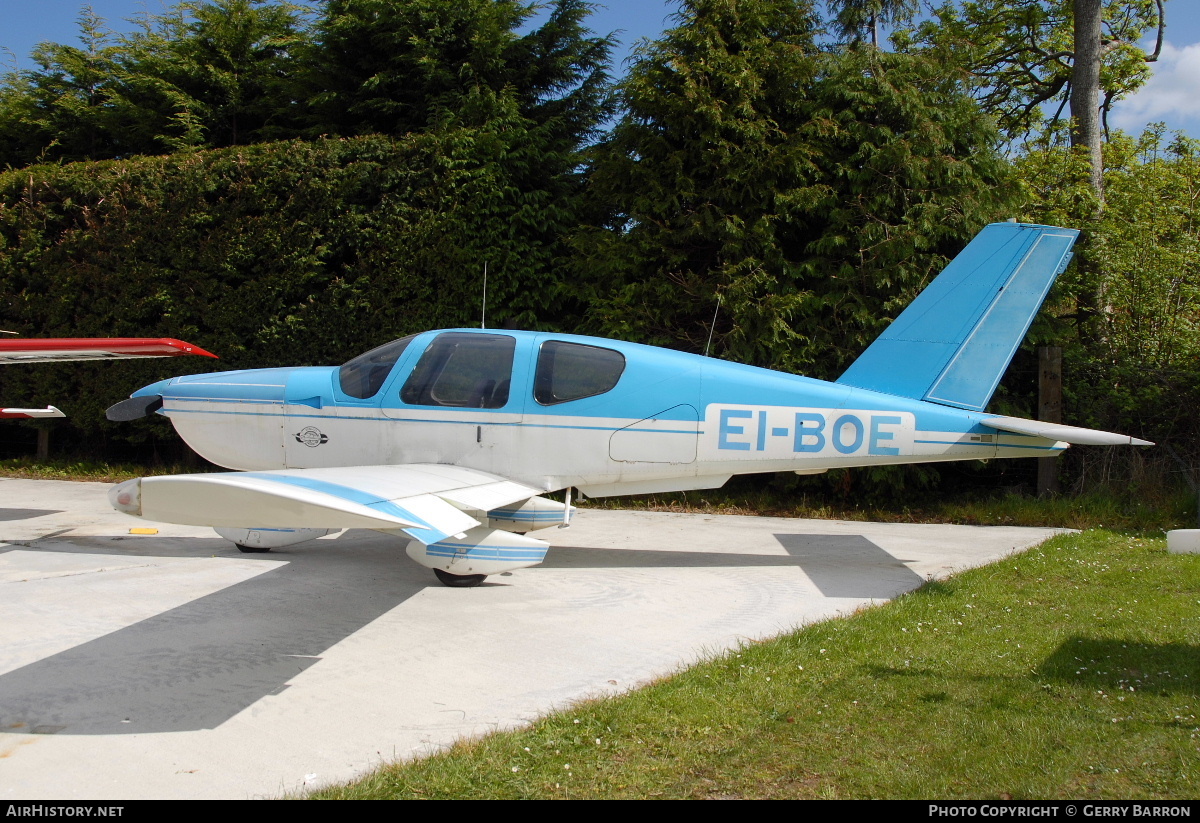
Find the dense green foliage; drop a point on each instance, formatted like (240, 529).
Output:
(206, 75)
(813, 194)
(284, 253)
(1136, 365)
(216, 73)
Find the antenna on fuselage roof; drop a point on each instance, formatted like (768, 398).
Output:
(483, 314)
(712, 326)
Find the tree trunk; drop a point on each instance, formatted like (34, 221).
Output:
(1050, 410)
(1085, 88)
(1086, 135)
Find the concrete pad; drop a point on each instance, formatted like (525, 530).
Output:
(173, 666)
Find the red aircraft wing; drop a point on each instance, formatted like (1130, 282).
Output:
(58, 349)
(62, 349)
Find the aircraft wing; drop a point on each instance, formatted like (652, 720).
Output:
(1067, 434)
(57, 349)
(49, 411)
(426, 501)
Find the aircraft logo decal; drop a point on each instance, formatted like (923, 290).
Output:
(312, 437)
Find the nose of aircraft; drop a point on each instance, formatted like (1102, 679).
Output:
(308, 386)
(142, 402)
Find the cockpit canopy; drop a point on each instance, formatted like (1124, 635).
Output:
(473, 370)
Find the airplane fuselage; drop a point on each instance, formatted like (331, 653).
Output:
(669, 420)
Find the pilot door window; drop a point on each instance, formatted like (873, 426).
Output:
(571, 371)
(469, 371)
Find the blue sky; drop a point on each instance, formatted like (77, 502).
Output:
(1171, 96)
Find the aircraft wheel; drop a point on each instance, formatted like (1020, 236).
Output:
(250, 549)
(459, 581)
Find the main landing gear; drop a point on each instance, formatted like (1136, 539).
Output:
(457, 581)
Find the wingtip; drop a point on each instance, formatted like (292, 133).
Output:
(184, 347)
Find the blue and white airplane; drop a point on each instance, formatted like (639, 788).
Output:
(449, 438)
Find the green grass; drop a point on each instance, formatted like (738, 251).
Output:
(1070, 671)
(29, 468)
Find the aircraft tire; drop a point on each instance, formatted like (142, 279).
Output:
(250, 549)
(459, 581)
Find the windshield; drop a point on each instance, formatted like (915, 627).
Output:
(363, 376)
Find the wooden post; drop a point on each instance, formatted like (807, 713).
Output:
(1050, 411)
(43, 444)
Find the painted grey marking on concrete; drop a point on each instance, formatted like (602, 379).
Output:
(849, 565)
(199, 664)
(26, 514)
(582, 557)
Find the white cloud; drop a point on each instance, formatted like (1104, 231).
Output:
(1172, 94)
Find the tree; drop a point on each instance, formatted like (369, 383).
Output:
(226, 66)
(60, 110)
(1021, 54)
(813, 194)
(392, 68)
(1139, 370)
(852, 17)
(202, 74)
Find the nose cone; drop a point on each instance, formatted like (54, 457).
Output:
(127, 497)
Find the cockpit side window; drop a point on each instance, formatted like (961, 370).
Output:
(469, 371)
(363, 376)
(571, 371)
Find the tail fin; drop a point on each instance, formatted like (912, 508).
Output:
(953, 343)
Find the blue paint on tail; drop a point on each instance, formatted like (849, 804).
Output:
(953, 343)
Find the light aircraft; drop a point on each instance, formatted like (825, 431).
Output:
(61, 349)
(449, 438)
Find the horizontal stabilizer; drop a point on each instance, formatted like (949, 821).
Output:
(1067, 434)
(421, 500)
(955, 340)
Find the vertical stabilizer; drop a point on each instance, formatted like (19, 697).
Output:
(953, 343)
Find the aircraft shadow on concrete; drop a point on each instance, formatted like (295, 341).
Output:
(25, 514)
(839, 565)
(199, 664)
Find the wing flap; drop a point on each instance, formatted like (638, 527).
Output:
(491, 496)
(1067, 434)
